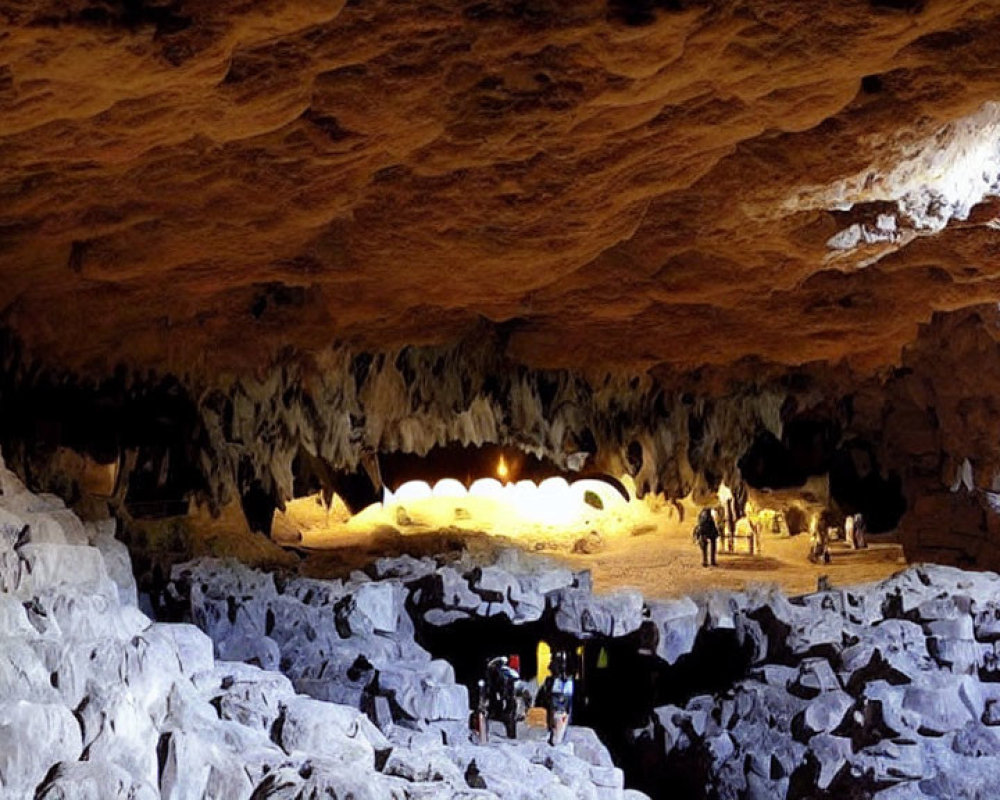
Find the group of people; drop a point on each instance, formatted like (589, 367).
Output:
(502, 695)
(822, 532)
(722, 522)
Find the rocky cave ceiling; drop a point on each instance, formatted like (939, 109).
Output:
(636, 184)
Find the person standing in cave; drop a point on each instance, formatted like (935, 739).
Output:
(481, 714)
(706, 532)
(558, 697)
(503, 684)
(860, 542)
(819, 538)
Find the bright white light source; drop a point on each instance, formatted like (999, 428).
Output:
(413, 490)
(512, 508)
(449, 487)
(486, 487)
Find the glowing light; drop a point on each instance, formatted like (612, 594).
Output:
(502, 471)
(554, 512)
(449, 487)
(553, 506)
(413, 490)
(486, 487)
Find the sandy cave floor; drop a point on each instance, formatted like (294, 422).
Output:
(661, 561)
(664, 564)
(668, 563)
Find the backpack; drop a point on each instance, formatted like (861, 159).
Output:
(705, 527)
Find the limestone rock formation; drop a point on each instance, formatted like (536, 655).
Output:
(99, 701)
(886, 691)
(875, 691)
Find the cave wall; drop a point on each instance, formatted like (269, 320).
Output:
(920, 438)
(216, 441)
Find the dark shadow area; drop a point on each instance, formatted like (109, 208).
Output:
(644, 12)
(857, 486)
(806, 448)
(618, 684)
(768, 464)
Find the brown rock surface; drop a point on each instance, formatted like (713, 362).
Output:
(188, 184)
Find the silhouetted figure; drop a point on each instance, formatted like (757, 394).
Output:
(705, 534)
(504, 687)
(558, 697)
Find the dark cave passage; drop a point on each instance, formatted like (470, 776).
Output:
(857, 484)
(619, 683)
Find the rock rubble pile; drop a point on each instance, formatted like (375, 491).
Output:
(99, 701)
(886, 690)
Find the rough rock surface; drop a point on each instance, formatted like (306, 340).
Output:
(683, 194)
(98, 702)
(873, 691)
(626, 180)
(876, 691)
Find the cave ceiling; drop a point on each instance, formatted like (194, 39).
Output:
(197, 184)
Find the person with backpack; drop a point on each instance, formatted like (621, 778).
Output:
(706, 532)
(557, 692)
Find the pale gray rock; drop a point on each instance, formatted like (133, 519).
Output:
(815, 676)
(311, 726)
(986, 621)
(892, 762)
(79, 569)
(33, 738)
(23, 674)
(991, 714)
(404, 567)
(193, 647)
(196, 767)
(440, 617)
(585, 615)
(320, 777)
(261, 651)
(938, 710)
(427, 692)
(832, 754)
(116, 561)
(676, 625)
(825, 713)
(976, 741)
(371, 608)
(427, 764)
(92, 780)
(117, 730)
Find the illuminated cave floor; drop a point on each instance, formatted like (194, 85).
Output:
(660, 564)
